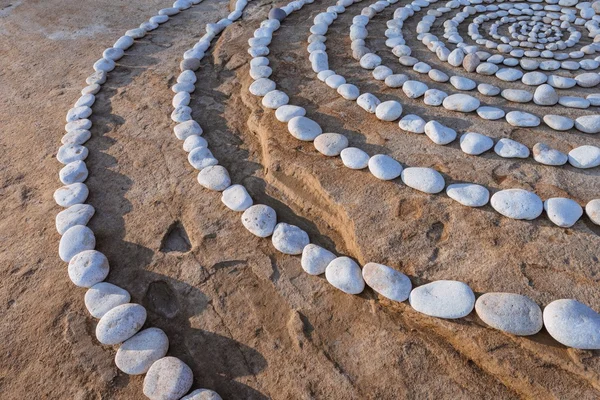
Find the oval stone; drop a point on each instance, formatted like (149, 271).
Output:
(573, 324)
(475, 143)
(315, 259)
(510, 312)
(120, 323)
(88, 268)
(562, 211)
(303, 128)
(260, 220)
(585, 156)
(214, 177)
(354, 158)
(443, 299)
(203, 394)
(289, 239)
(330, 144)
(78, 214)
(168, 379)
(236, 198)
(509, 148)
(592, 209)
(517, 204)
(344, 274)
(387, 281)
(75, 240)
(468, 194)
(438, 133)
(384, 167)
(103, 297)
(426, 180)
(461, 102)
(138, 353)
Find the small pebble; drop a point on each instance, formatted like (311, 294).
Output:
(517, 204)
(461, 102)
(345, 274)
(214, 177)
(425, 180)
(412, 123)
(387, 281)
(236, 198)
(384, 167)
(187, 128)
(468, 194)
(260, 220)
(509, 148)
(138, 353)
(544, 154)
(168, 379)
(509, 312)
(443, 299)
(368, 102)
(289, 239)
(77, 214)
(573, 324)
(588, 124)
(562, 211)
(414, 89)
(585, 156)
(490, 113)
(103, 297)
(120, 323)
(438, 133)
(88, 268)
(592, 210)
(315, 259)
(522, 119)
(388, 110)
(275, 99)
(286, 112)
(204, 394)
(303, 128)
(354, 158)
(558, 122)
(330, 144)
(475, 143)
(201, 157)
(68, 195)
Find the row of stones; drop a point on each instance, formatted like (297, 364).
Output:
(471, 143)
(120, 321)
(443, 299)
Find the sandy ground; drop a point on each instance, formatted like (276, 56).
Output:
(248, 321)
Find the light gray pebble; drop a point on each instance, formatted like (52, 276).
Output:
(434, 97)
(414, 89)
(103, 297)
(194, 141)
(368, 102)
(461, 102)
(344, 274)
(462, 83)
(545, 95)
(330, 144)
(275, 99)
(260, 220)
(534, 78)
(201, 157)
(488, 90)
(573, 324)
(214, 177)
(562, 211)
(315, 259)
(75, 240)
(509, 312)
(168, 379)
(585, 157)
(382, 72)
(76, 113)
(303, 128)
(438, 133)
(438, 76)
(386, 281)
(468, 194)
(588, 124)
(490, 113)
(573, 102)
(120, 323)
(205, 394)
(113, 53)
(91, 89)
(138, 353)
(558, 122)
(509, 74)
(388, 110)
(68, 195)
(88, 268)
(124, 42)
(594, 99)
(236, 198)
(546, 155)
(186, 129)
(286, 112)
(475, 143)
(77, 214)
(396, 80)
(262, 86)
(354, 158)
(509, 148)
(517, 204)
(517, 95)
(443, 299)
(412, 123)
(522, 119)
(289, 239)
(184, 87)
(384, 167)
(85, 124)
(348, 91)
(335, 81)
(74, 172)
(592, 210)
(426, 180)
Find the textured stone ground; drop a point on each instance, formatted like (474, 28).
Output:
(250, 323)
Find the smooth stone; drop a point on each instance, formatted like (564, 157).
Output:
(558, 122)
(438, 76)
(86, 100)
(103, 297)
(262, 86)
(348, 91)
(414, 89)
(509, 148)
(330, 144)
(74, 172)
(396, 80)
(168, 379)
(461, 102)
(91, 89)
(303, 128)
(384, 167)
(546, 155)
(204, 394)
(517, 204)
(277, 13)
(181, 114)
(69, 153)
(315, 259)
(344, 273)
(368, 102)
(562, 211)
(354, 158)
(183, 87)
(286, 112)
(75, 240)
(138, 353)
(236, 198)
(490, 113)
(438, 133)
(412, 123)
(588, 124)
(188, 128)
(201, 157)
(388, 110)
(522, 119)
(509, 74)
(545, 95)
(475, 143)
(97, 78)
(120, 323)
(443, 299)
(434, 97)
(88, 268)
(488, 90)
(487, 69)
(289, 239)
(462, 83)
(193, 142)
(214, 177)
(123, 43)
(470, 62)
(573, 324)
(426, 180)
(382, 72)
(561, 82)
(275, 99)
(260, 220)
(262, 71)
(468, 194)
(335, 81)
(68, 195)
(386, 281)
(585, 157)
(189, 64)
(517, 95)
(107, 65)
(77, 214)
(534, 78)
(113, 53)
(573, 102)
(592, 210)
(181, 99)
(510, 312)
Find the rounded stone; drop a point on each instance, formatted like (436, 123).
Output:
(354, 158)
(262, 86)
(386, 281)
(77, 214)
(545, 95)
(490, 113)
(275, 99)
(414, 89)
(517, 95)
(75, 240)
(573, 324)
(286, 112)
(103, 297)
(260, 220)
(475, 143)
(278, 14)
(588, 123)
(214, 177)
(315, 259)
(388, 110)
(517, 204)
(236, 198)
(562, 211)
(68, 195)
(384, 167)
(76, 137)
(558, 122)
(289, 239)
(509, 148)
(138, 353)
(168, 379)
(203, 394)
(88, 268)
(120, 323)
(488, 90)
(443, 299)
(461, 102)
(592, 210)
(330, 144)
(396, 80)
(71, 152)
(585, 157)
(462, 83)
(370, 61)
(193, 142)
(412, 123)
(348, 91)
(344, 273)
(512, 313)
(434, 97)
(438, 133)
(303, 128)
(187, 128)
(546, 155)
(201, 157)
(368, 102)
(522, 119)
(426, 180)
(468, 194)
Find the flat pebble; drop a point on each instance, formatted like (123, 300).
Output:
(330, 144)
(558, 122)
(488, 90)
(88, 268)
(74, 172)
(443, 299)
(509, 148)
(354, 158)
(236, 198)
(562, 211)
(368, 102)
(384, 167)
(286, 112)
(468, 194)
(138, 353)
(205, 394)
(592, 210)
(517, 204)
(103, 297)
(388, 110)
(193, 142)
(275, 99)
(573, 324)
(412, 123)
(544, 154)
(414, 89)
(344, 273)
(490, 113)
(396, 80)
(201, 157)
(475, 143)
(348, 91)
(76, 137)
(438, 133)
(426, 180)
(187, 128)
(509, 312)
(77, 214)
(434, 97)
(260, 220)
(462, 83)
(289, 239)
(304, 128)
(545, 95)
(387, 281)
(120, 323)
(168, 379)
(68, 195)
(522, 119)
(517, 95)
(588, 123)
(68, 153)
(315, 259)
(461, 102)
(214, 177)
(585, 156)
(262, 86)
